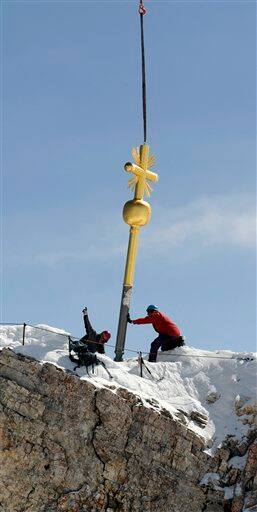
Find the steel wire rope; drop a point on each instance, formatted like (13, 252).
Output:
(142, 12)
(63, 334)
(131, 350)
(10, 323)
(196, 356)
(74, 337)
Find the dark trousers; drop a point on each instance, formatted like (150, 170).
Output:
(166, 343)
(91, 337)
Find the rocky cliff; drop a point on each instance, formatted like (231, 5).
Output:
(67, 444)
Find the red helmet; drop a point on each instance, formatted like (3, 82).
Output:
(105, 336)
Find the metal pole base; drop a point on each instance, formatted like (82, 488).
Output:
(122, 328)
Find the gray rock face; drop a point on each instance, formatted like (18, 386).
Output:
(66, 445)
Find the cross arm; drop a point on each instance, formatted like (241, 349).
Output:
(141, 173)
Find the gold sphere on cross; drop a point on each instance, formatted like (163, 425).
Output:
(136, 212)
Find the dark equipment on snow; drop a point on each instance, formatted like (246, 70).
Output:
(84, 357)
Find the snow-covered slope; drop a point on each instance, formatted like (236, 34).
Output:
(220, 385)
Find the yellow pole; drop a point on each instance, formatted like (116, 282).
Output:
(136, 213)
(131, 256)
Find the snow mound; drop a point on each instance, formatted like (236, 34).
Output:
(213, 393)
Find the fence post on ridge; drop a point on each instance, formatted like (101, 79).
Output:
(140, 360)
(23, 334)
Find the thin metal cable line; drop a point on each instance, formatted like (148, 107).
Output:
(130, 350)
(143, 73)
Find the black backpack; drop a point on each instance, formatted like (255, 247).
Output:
(83, 356)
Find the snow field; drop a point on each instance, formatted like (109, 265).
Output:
(214, 384)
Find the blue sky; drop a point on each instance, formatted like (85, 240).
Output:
(71, 114)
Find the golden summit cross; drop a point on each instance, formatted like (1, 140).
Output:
(141, 172)
(136, 213)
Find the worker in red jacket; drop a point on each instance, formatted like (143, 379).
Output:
(169, 334)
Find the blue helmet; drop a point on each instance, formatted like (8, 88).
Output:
(152, 308)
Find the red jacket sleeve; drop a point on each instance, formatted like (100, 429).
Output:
(146, 320)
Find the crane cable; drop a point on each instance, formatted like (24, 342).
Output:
(142, 12)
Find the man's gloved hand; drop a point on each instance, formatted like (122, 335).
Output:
(129, 319)
(84, 311)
